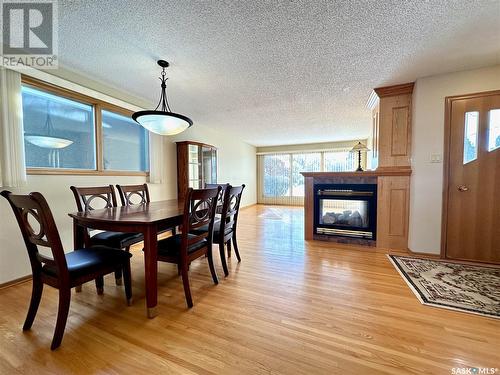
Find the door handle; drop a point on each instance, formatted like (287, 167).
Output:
(462, 188)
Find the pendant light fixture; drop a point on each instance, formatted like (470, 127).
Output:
(47, 140)
(162, 120)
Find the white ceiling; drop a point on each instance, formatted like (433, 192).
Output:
(275, 72)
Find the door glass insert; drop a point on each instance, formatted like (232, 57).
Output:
(470, 136)
(494, 130)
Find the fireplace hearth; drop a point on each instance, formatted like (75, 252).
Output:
(345, 210)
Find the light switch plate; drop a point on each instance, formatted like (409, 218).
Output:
(436, 158)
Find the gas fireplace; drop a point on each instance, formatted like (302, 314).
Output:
(345, 210)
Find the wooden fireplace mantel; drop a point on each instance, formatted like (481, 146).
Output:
(393, 194)
(375, 173)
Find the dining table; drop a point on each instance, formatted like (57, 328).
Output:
(148, 219)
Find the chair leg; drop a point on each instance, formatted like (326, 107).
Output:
(185, 282)
(229, 249)
(118, 272)
(62, 316)
(127, 278)
(36, 295)
(118, 276)
(99, 284)
(223, 258)
(235, 244)
(211, 265)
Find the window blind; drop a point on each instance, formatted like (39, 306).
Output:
(279, 174)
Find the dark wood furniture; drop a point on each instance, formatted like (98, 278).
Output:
(136, 194)
(196, 166)
(148, 219)
(225, 228)
(133, 194)
(183, 248)
(226, 233)
(220, 198)
(62, 271)
(89, 198)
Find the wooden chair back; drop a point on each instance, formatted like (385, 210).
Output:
(87, 197)
(230, 210)
(32, 210)
(133, 194)
(199, 211)
(220, 198)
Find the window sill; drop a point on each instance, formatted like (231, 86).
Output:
(83, 172)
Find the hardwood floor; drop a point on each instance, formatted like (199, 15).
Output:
(289, 307)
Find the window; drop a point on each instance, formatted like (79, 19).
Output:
(277, 175)
(340, 161)
(58, 132)
(470, 136)
(300, 163)
(66, 132)
(494, 130)
(125, 142)
(280, 178)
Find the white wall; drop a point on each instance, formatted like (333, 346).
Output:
(236, 160)
(236, 165)
(428, 138)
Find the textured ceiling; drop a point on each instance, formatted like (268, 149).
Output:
(275, 72)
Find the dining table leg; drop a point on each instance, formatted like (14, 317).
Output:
(151, 269)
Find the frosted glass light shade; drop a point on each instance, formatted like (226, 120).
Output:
(46, 141)
(163, 123)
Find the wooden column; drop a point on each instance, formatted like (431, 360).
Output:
(393, 132)
(393, 137)
(393, 202)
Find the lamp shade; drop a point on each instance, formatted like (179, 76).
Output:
(360, 147)
(162, 122)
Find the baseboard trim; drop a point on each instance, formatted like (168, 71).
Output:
(249, 206)
(17, 281)
(426, 255)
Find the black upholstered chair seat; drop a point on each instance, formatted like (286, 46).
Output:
(171, 246)
(117, 240)
(204, 229)
(87, 261)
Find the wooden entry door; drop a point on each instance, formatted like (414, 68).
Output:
(472, 178)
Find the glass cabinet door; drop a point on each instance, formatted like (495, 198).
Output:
(214, 165)
(209, 165)
(194, 166)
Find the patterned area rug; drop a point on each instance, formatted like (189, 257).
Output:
(461, 287)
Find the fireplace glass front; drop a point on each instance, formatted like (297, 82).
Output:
(345, 210)
(348, 213)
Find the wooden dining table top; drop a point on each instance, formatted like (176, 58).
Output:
(135, 214)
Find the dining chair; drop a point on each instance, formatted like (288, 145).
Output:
(225, 229)
(220, 198)
(183, 248)
(61, 271)
(133, 194)
(90, 198)
(137, 194)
